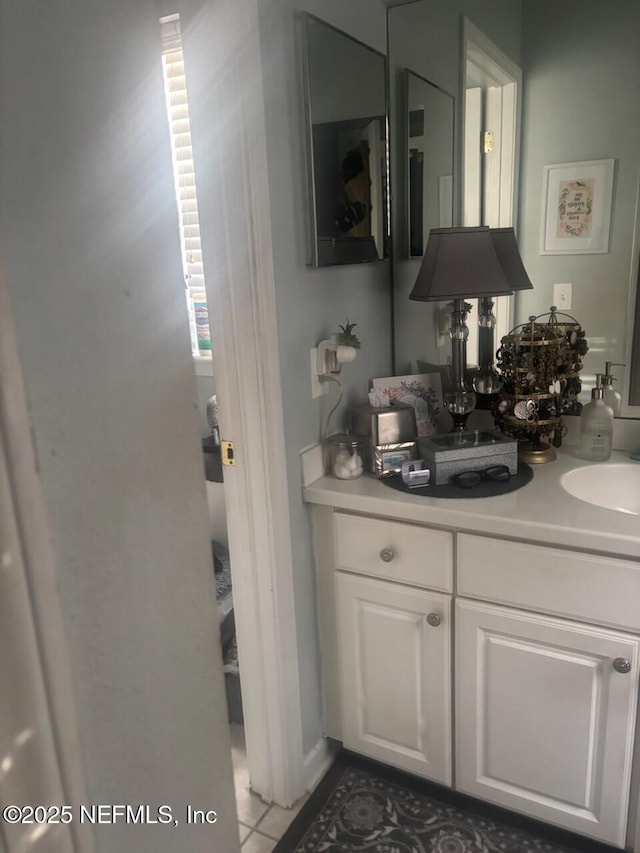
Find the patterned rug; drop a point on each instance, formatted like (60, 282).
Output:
(365, 807)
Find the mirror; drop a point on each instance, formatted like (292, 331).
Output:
(430, 114)
(580, 74)
(347, 146)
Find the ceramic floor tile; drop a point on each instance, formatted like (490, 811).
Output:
(257, 843)
(244, 831)
(277, 820)
(250, 807)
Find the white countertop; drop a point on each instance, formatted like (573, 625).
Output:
(542, 511)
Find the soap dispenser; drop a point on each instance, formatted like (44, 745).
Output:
(612, 397)
(596, 426)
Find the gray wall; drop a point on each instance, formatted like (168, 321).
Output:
(90, 251)
(425, 37)
(581, 102)
(311, 303)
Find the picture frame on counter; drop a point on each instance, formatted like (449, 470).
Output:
(423, 391)
(388, 459)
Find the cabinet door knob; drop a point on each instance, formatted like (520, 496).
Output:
(434, 619)
(386, 555)
(622, 665)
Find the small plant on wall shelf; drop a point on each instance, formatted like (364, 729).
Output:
(346, 337)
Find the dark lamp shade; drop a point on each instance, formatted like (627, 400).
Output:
(506, 246)
(468, 263)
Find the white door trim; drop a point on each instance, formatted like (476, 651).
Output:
(63, 757)
(502, 80)
(224, 69)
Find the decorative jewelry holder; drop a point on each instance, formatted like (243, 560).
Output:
(539, 363)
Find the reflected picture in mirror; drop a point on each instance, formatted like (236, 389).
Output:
(430, 113)
(345, 96)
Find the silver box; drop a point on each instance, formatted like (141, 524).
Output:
(455, 452)
(394, 424)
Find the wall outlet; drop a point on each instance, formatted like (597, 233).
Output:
(562, 296)
(318, 388)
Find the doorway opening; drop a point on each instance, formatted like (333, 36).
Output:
(177, 104)
(492, 94)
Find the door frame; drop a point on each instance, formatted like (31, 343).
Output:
(502, 83)
(223, 62)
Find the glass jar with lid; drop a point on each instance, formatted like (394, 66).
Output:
(346, 455)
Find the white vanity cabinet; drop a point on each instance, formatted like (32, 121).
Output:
(385, 619)
(546, 667)
(545, 715)
(546, 706)
(395, 667)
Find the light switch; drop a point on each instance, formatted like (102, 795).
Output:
(562, 296)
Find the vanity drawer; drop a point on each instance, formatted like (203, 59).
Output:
(394, 550)
(601, 590)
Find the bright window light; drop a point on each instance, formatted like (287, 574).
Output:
(175, 85)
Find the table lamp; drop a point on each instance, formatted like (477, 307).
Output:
(469, 263)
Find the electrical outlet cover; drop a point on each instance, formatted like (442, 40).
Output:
(318, 388)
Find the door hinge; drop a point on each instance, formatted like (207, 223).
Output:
(487, 142)
(226, 449)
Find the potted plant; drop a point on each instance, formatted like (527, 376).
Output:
(337, 350)
(347, 344)
(346, 338)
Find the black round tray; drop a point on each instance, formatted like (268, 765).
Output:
(484, 489)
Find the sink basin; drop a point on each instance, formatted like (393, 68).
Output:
(613, 486)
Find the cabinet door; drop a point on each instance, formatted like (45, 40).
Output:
(544, 721)
(395, 663)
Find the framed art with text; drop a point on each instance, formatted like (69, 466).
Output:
(576, 207)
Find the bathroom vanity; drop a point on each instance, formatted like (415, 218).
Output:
(488, 644)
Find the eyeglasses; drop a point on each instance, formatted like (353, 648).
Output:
(469, 479)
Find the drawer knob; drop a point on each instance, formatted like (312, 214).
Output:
(386, 555)
(622, 665)
(434, 619)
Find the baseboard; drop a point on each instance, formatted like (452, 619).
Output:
(317, 761)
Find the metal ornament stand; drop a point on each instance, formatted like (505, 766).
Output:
(539, 363)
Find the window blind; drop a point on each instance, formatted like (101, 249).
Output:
(182, 155)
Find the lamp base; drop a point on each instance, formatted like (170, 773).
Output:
(459, 402)
(536, 452)
(459, 421)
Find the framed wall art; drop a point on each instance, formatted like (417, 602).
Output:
(576, 207)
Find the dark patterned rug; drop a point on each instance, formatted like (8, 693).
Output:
(364, 807)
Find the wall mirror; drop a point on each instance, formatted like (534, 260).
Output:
(345, 99)
(430, 122)
(566, 118)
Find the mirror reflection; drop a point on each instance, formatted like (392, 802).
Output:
(580, 66)
(346, 106)
(430, 113)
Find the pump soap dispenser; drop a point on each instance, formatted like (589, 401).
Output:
(612, 397)
(596, 426)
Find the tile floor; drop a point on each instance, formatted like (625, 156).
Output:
(261, 825)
